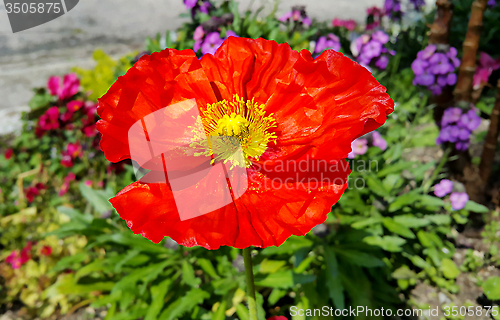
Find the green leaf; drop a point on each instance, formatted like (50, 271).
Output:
(491, 288)
(207, 266)
(76, 215)
(431, 202)
(40, 100)
(182, 305)
(397, 228)
(158, 294)
(366, 222)
(439, 219)
(283, 279)
(98, 200)
(290, 246)
(476, 207)
(271, 266)
(359, 258)
(388, 243)
(404, 200)
(188, 276)
(220, 314)
(70, 262)
(129, 239)
(411, 221)
(335, 287)
(404, 272)
(275, 296)
(449, 269)
(242, 312)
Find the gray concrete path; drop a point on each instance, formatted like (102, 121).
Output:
(29, 57)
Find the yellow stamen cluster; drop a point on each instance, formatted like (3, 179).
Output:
(231, 124)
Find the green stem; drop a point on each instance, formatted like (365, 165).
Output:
(252, 306)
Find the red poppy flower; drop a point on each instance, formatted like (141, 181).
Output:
(283, 106)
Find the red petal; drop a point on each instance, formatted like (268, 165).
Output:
(153, 83)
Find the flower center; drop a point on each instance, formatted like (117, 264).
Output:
(231, 125)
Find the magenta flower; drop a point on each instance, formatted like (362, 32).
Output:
(348, 24)
(16, 259)
(65, 187)
(484, 70)
(443, 188)
(458, 200)
(190, 4)
(73, 151)
(68, 88)
(49, 120)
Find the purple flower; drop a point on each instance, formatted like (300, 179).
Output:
(451, 115)
(231, 33)
(323, 43)
(427, 52)
(451, 79)
(392, 8)
(204, 7)
(470, 120)
(462, 145)
(372, 49)
(418, 66)
(212, 42)
(359, 147)
(458, 200)
(463, 134)
(444, 187)
(190, 4)
(378, 141)
(380, 36)
(357, 44)
(382, 62)
(440, 64)
(492, 3)
(424, 79)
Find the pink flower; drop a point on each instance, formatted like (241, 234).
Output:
(73, 150)
(8, 153)
(16, 260)
(458, 200)
(49, 120)
(65, 187)
(378, 141)
(348, 24)
(484, 70)
(74, 105)
(277, 318)
(359, 147)
(67, 89)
